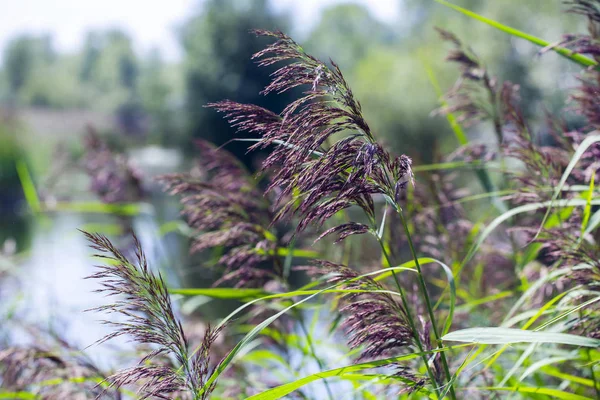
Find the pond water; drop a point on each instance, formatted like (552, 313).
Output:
(46, 259)
(47, 289)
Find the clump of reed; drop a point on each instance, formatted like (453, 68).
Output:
(527, 279)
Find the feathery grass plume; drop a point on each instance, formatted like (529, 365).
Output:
(374, 322)
(589, 91)
(474, 97)
(587, 95)
(321, 173)
(113, 178)
(585, 44)
(53, 373)
(543, 164)
(224, 207)
(143, 300)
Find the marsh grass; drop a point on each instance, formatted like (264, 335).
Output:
(450, 307)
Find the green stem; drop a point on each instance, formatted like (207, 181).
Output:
(409, 317)
(423, 287)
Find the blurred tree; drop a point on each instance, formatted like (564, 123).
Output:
(90, 56)
(21, 56)
(108, 71)
(218, 64)
(346, 32)
(154, 92)
(62, 90)
(160, 97)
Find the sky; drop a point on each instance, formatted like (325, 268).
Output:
(151, 23)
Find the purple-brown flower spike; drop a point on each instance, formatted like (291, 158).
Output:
(223, 206)
(170, 369)
(326, 156)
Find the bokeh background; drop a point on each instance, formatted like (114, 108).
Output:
(139, 73)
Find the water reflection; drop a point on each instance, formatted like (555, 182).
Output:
(47, 290)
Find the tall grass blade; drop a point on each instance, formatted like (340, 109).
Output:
(588, 207)
(516, 211)
(29, 190)
(581, 149)
(222, 293)
(511, 336)
(224, 364)
(555, 393)
(283, 390)
(18, 395)
(569, 54)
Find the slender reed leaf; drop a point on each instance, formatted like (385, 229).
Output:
(222, 293)
(283, 390)
(588, 207)
(558, 394)
(510, 336)
(28, 187)
(569, 54)
(18, 395)
(516, 211)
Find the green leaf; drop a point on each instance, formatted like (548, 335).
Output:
(17, 395)
(574, 160)
(515, 211)
(299, 253)
(588, 207)
(452, 284)
(593, 223)
(460, 135)
(283, 390)
(29, 191)
(569, 54)
(96, 207)
(555, 372)
(448, 166)
(542, 363)
(532, 290)
(222, 366)
(559, 394)
(510, 336)
(222, 293)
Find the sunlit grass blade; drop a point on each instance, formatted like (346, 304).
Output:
(511, 336)
(31, 195)
(532, 290)
(450, 165)
(555, 393)
(283, 390)
(588, 207)
(556, 373)
(593, 223)
(460, 135)
(488, 299)
(538, 365)
(529, 322)
(296, 253)
(96, 207)
(569, 54)
(581, 149)
(570, 311)
(18, 395)
(516, 211)
(222, 293)
(224, 364)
